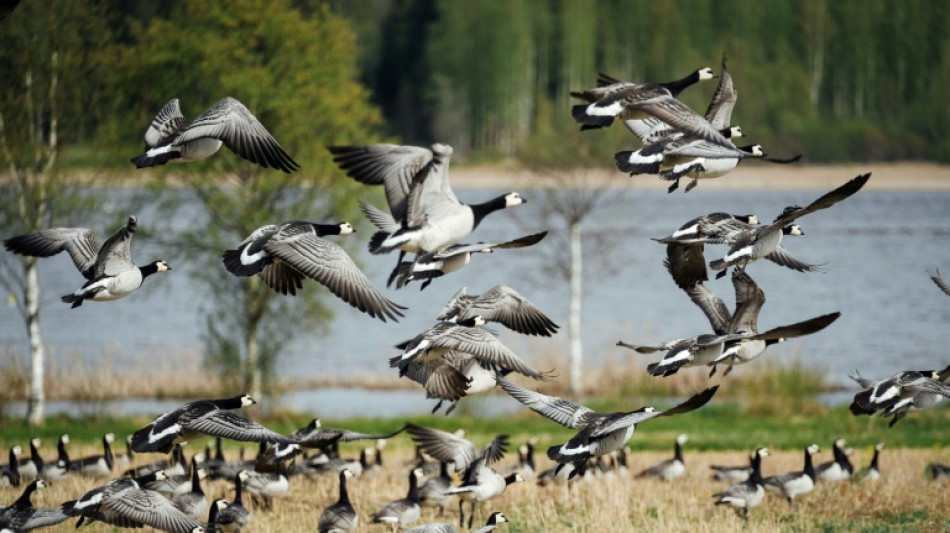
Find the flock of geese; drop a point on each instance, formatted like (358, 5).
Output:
(457, 356)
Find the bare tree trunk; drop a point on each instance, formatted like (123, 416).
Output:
(574, 329)
(256, 306)
(37, 397)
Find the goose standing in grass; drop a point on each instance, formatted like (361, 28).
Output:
(900, 393)
(404, 512)
(123, 502)
(269, 485)
(123, 461)
(746, 494)
(613, 98)
(58, 469)
(203, 417)
(760, 242)
(500, 304)
(283, 254)
(10, 472)
(109, 269)
(172, 485)
(235, 516)
(194, 502)
(339, 517)
(939, 282)
(22, 516)
(938, 471)
(446, 260)
(228, 122)
(434, 491)
(840, 469)
(672, 468)
(31, 466)
(97, 465)
(492, 524)
(599, 433)
(425, 213)
(794, 484)
(731, 474)
(872, 472)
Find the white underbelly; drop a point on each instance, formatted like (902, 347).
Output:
(198, 149)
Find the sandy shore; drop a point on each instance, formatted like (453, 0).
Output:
(885, 176)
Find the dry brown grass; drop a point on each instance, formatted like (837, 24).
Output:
(903, 501)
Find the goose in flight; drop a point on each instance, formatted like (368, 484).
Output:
(899, 394)
(283, 254)
(425, 213)
(684, 247)
(760, 242)
(451, 258)
(613, 98)
(501, 304)
(599, 433)
(203, 417)
(170, 138)
(107, 267)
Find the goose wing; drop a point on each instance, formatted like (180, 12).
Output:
(444, 446)
(799, 329)
(43, 518)
(691, 147)
(383, 221)
(719, 112)
(81, 244)
(232, 123)
(440, 378)
(431, 197)
(711, 305)
(686, 264)
(749, 301)
(166, 125)
(629, 419)
(941, 284)
(329, 264)
(436, 527)
(456, 305)
(390, 165)
(459, 249)
(780, 256)
(659, 103)
(152, 509)
(229, 425)
(564, 412)
(282, 278)
(827, 200)
(115, 256)
(507, 306)
(486, 347)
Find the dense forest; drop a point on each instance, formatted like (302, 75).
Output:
(835, 80)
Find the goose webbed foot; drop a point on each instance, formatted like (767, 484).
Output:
(673, 187)
(691, 185)
(722, 273)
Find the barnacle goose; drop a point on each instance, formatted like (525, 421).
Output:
(404, 512)
(314, 435)
(872, 472)
(426, 214)
(760, 242)
(107, 267)
(235, 516)
(599, 433)
(227, 122)
(434, 491)
(746, 494)
(97, 465)
(193, 502)
(840, 469)
(501, 304)
(10, 472)
(283, 254)
(793, 484)
(339, 517)
(613, 98)
(22, 516)
(672, 468)
(203, 417)
(494, 520)
(899, 393)
(684, 247)
(442, 261)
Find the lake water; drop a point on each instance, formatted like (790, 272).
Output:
(877, 246)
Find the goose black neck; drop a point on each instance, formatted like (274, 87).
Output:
(218, 451)
(413, 487)
(35, 456)
(229, 403)
(677, 86)
(24, 499)
(482, 210)
(344, 496)
(326, 229)
(809, 467)
(756, 476)
(195, 478)
(511, 479)
(61, 451)
(873, 459)
(14, 463)
(678, 451)
(238, 489)
(842, 459)
(443, 469)
(107, 453)
(529, 457)
(148, 270)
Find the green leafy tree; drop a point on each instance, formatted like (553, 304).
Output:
(295, 70)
